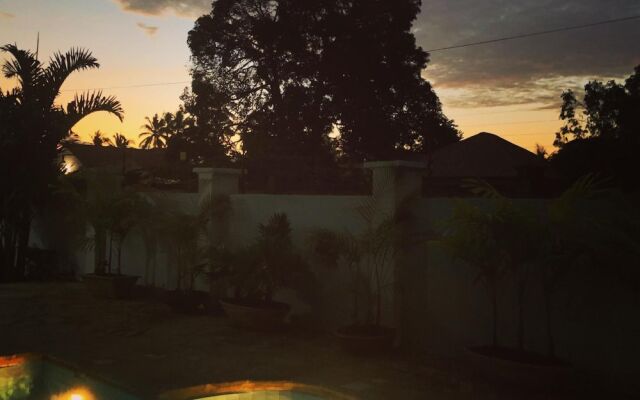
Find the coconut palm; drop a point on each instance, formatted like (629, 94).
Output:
(120, 141)
(29, 148)
(177, 123)
(155, 133)
(98, 139)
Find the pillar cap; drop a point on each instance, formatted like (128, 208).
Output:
(395, 164)
(217, 171)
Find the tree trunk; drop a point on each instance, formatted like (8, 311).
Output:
(9, 252)
(99, 251)
(23, 244)
(378, 298)
(119, 271)
(520, 333)
(493, 293)
(551, 351)
(109, 264)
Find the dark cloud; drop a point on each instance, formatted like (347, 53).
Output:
(148, 29)
(526, 70)
(6, 15)
(183, 8)
(513, 72)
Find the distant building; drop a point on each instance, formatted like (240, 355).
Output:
(76, 156)
(153, 168)
(511, 169)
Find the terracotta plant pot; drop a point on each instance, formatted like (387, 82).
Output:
(366, 339)
(110, 286)
(519, 368)
(256, 316)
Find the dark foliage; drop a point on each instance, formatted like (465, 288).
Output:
(279, 77)
(602, 132)
(31, 128)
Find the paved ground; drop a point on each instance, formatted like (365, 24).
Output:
(145, 346)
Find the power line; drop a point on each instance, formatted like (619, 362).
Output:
(539, 33)
(516, 122)
(528, 110)
(526, 134)
(129, 86)
(515, 37)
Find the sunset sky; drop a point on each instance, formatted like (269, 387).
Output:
(509, 88)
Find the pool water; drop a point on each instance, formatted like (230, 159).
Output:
(35, 377)
(40, 378)
(264, 395)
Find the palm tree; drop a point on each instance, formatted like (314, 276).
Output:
(120, 141)
(177, 123)
(98, 139)
(155, 134)
(36, 127)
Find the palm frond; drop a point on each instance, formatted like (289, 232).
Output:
(120, 141)
(24, 66)
(61, 65)
(91, 102)
(146, 143)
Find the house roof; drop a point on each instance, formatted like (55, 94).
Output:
(483, 155)
(91, 156)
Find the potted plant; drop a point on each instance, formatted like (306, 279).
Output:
(258, 271)
(469, 237)
(111, 213)
(367, 259)
(186, 238)
(497, 241)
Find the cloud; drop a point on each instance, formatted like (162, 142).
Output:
(182, 8)
(148, 29)
(6, 15)
(513, 72)
(527, 70)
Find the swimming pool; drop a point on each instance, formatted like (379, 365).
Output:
(251, 390)
(27, 377)
(36, 377)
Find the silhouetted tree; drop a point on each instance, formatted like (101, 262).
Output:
(602, 132)
(281, 76)
(120, 141)
(541, 151)
(98, 139)
(154, 134)
(32, 127)
(373, 67)
(256, 75)
(177, 124)
(195, 132)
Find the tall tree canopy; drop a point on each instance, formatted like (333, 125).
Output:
(283, 75)
(374, 71)
(32, 126)
(601, 132)
(608, 110)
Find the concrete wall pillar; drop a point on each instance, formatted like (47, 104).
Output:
(396, 186)
(218, 181)
(216, 185)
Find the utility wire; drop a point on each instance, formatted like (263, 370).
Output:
(525, 35)
(540, 33)
(525, 134)
(516, 122)
(528, 110)
(129, 86)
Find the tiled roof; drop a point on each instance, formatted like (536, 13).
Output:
(483, 155)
